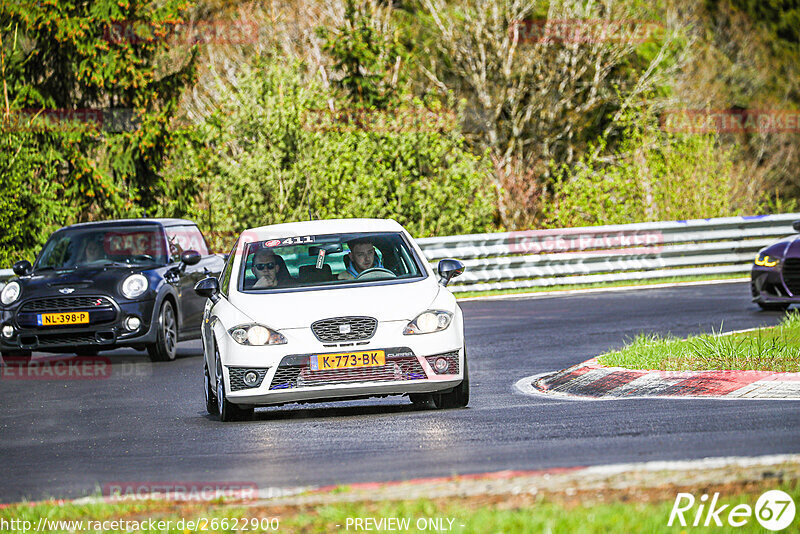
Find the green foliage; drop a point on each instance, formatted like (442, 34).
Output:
(100, 56)
(30, 204)
(275, 153)
(652, 175)
(366, 60)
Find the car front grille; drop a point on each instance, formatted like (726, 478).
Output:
(344, 329)
(237, 377)
(66, 304)
(791, 275)
(299, 376)
(452, 360)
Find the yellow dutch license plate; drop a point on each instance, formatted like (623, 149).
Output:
(58, 319)
(348, 360)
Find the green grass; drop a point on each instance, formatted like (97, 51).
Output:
(764, 349)
(623, 283)
(622, 513)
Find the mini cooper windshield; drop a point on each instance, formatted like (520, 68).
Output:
(128, 245)
(328, 260)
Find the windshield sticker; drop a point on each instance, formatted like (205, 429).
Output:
(321, 258)
(289, 241)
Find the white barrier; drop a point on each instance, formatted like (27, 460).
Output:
(622, 252)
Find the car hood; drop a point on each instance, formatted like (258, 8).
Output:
(786, 247)
(298, 309)
(81, 280)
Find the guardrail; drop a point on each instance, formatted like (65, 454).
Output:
(622, 252)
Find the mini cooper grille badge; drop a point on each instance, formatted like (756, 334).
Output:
(66, 290)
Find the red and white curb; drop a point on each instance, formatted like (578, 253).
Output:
(594, 381)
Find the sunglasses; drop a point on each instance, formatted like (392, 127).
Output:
(262, 266)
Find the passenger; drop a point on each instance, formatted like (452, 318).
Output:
(266, 268)
(360, 258)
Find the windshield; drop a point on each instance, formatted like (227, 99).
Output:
(327, 260)
(106, 246)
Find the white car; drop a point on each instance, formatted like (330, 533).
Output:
(331, 310)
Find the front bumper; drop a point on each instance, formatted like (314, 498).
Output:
(286, 374)
(767, 287)
(105, 329)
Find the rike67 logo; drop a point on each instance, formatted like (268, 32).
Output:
(774, 510)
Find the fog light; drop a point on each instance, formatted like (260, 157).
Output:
(251, 378)
(441, 365)
(133, 323)
(8, 330)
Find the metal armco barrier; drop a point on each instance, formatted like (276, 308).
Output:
(592, 254)
(621, 252)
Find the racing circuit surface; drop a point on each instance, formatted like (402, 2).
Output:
(146, 421)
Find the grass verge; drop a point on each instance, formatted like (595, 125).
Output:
(763, 349)
(623, 283)
(609, 511)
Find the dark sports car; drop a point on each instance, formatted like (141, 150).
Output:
(775, 279)
(101, 285)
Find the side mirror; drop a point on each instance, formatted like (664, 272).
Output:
(796, 226)
(449, 269)
(190, 257)
(208, 288)
(22, 268)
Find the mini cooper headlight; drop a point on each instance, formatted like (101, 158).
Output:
(429, 321)
(11, 293)
(134, 286)
(764, 260)
(256, 334)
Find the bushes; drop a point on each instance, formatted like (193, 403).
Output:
(275, 153)
(652, 176)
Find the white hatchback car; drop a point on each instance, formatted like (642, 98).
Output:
(331, 310)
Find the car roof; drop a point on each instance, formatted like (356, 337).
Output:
(130, 222)
(329, 226)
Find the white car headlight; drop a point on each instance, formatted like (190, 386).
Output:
(11, 293)
(429, 321)
(256, 334)
(134, 286)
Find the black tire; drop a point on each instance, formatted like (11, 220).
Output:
(166, 345)
(459, 397)
(16, 356)
(421, 400)
(773, 306)
(227, 410)
(210, 396)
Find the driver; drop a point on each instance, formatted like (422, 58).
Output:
(93, 251)
(360, 258)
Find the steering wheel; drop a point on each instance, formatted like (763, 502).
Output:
(145, 257)
(374, 273)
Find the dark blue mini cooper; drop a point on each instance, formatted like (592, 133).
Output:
(101, 285)
(775, 279)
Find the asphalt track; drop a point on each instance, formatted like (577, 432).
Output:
(146, 422)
